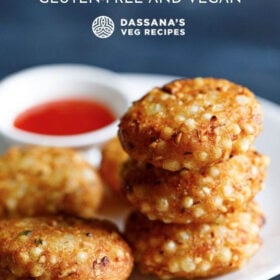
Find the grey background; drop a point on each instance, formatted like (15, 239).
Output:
(240, 42)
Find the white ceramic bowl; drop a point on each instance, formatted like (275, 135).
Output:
(27, 88)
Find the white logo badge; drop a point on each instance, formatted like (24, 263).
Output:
(103, 27)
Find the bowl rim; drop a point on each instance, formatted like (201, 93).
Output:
(44, 67)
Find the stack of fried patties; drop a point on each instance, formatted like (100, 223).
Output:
(192, 176)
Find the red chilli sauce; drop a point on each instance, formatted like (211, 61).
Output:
(64, 117)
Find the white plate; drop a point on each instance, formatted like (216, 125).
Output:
(266, 263)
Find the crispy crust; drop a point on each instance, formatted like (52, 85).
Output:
(113, 156)
(38, 181)
(191, 124)
(191, 196)
(192, 251)
(62, 248)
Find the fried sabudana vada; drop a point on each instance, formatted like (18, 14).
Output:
(41, 180)
(113, 157)
(190, 196)
(62, 248)
(191, 123)
(194, 250)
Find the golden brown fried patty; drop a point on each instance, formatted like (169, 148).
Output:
(191, 123)
(113, 156)
(189, 251)
(191, 196)
(40, 180)
(62, 248)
